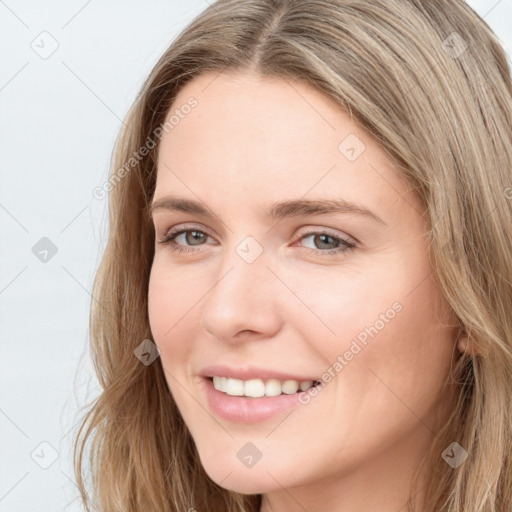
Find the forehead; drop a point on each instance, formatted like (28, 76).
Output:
(257, 138)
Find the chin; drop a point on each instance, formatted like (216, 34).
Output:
(240, 479)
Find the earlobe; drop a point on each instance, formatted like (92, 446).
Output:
(464, 346)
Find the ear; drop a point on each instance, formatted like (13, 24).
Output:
(465, 346)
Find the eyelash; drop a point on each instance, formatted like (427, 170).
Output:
(169, 237)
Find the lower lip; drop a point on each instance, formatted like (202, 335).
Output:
(248, 410)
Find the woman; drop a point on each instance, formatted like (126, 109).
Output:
(245, 365)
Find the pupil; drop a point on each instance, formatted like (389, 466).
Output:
(323, 237)
(196, 235)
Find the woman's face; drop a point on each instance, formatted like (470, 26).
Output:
(282, 296)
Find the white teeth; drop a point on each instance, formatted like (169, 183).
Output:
(220, 383)
(235, 387)
(272, 387)
(290, 386)
(256, 388)
(305, 385)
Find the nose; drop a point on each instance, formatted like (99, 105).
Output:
(244, 300)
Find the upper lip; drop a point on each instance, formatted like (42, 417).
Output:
(250, 372)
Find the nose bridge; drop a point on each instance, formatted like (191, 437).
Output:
(243, 295)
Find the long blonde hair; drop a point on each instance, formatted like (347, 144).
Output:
(431, 82)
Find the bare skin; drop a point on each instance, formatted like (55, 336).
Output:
(251, 142)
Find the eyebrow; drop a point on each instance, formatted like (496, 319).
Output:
(276, 211)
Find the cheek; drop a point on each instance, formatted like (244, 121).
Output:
(168, 319)
(174, 310)
(157, 304)
(170, 296)
(406, 360)
(344, 309)
(389, 328)
(167, 308)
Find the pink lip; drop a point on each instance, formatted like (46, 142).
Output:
(247, 410)
(250, 372)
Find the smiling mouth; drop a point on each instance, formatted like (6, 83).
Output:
(257, 388)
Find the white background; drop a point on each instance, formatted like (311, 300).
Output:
(59, 117)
